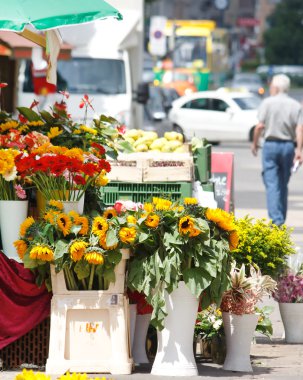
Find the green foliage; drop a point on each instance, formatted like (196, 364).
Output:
(264, 245)
(283, 39)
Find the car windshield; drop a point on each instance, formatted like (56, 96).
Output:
(249, 103)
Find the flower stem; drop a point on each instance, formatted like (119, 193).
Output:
(91, 277)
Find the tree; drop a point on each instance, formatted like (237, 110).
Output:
(284, 38)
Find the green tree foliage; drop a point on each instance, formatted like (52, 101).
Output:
(284, 37)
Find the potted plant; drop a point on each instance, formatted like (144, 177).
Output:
(263, 245)
(182, 254)
(239, 314)
(289, 294)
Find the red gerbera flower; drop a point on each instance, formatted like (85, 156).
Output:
(3, 84)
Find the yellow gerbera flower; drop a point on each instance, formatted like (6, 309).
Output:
(100, 226)
(190, 201)
(94, 257)
(87, 129)
(77, 249)
(102, 179)
(109, 213)
(152, 220)
(26, 225)
(57, 204)
(127, 234)
(54, 132)
(233, 240)
(37, 123)
(64, 223)
(21, 247)
(84, 223)
(148, 207)
(41, 252)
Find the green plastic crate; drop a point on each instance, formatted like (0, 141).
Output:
(142, 192)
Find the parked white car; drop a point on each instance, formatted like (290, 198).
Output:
(216, 115)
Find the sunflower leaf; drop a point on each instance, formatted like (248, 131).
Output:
(114, 257)
(61, 248)
(111, 238)
(82, 269)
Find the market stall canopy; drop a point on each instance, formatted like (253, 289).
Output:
(22, 16)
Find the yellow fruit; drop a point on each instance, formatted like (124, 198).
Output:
(141, 148)
(174, 144)
(150, 135)
(180, 149)
(133, 133)
(179, 137)
(130, 140)
(158, 143)
(166, 148)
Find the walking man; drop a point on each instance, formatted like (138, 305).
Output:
(280, 120)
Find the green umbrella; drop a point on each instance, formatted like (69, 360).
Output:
(15, 15)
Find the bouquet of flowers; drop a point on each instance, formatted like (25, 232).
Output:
(58, 171)
(86, 248)
(289, 288)
(181, 241)
(263, 245)
(10, 184)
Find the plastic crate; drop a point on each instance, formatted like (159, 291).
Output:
(202, 162)
(142, 192)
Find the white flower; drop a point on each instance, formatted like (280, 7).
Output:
(11, 174)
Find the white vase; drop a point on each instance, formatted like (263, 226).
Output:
(12, 214)
(239, 331)
(175, 355)
(292, 318)
(132, 321)
(139, 344)
(77, 206)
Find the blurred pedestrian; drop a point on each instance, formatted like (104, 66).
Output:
(280, 120)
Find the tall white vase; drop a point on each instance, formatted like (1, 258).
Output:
(239, 331)
(12, 214)
(132, 322)
(175, 355)
(77, 206)
(292, 318)
(139, 344)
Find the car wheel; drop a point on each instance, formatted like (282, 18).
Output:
(251, 134)
(178, 129)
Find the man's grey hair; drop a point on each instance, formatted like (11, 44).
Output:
(281, 82)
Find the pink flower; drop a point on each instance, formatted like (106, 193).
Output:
(119, 207)
(121, 129)
(122, 206)
(20, 192)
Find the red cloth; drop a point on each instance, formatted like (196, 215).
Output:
(139, 298)
(22, 304)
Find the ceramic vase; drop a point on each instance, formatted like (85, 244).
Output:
(292, 318)
(139, 344)
(175, 354)
(239, 331)
(12, 214)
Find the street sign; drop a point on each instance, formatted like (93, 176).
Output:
(157, 39)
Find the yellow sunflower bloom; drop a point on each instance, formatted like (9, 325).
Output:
(57, 204)
(64, 223)
(109, 213)
(163, 204)
(186, 226)
(233, 240)
(222, 218)
(190, 201)
(152, 220)
(41, 252)
(37, 123)
(50, 216)
(26, 225)
(87, 129)
(127, 234)
(84, 223)
(21, 247)
(73, 214)
(94, 257)
(148, 207)
(54, 132)
(8, 125)
(100, 226)
(131, 219)
(77, 249)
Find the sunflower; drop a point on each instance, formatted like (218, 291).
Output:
(73, 214)
(28, 222)
(190, 201)
(50, 216)
(163, 204)
(127, 234)
(94, 256)
(56, 204)
(109, 213)
(42, 252)
(100, 226)
(84, 223)
(187, 226)
(77, 249)
(233, 240)
(64, 223)
(54, 132)
(152, 220)
(148, 207)
(222, 218)
(21, 247)
(131, 219)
